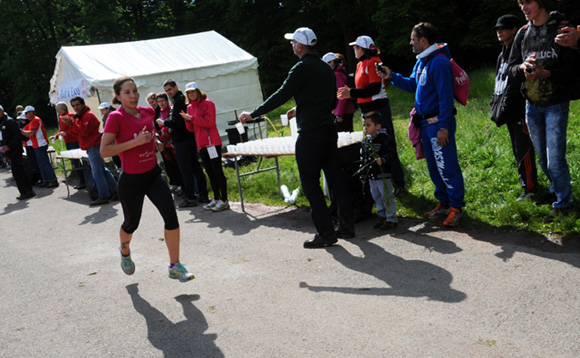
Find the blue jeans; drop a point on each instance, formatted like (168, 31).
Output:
(382, 192)
(44, 164)
(106, 184)
(547, 126)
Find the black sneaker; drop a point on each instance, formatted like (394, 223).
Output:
(388, 225)
(99, 201)
(379, 223)
(549, 198)
(526, 195)
(30, 194)
(320, 241)
(52, 184)
(186, 203)
(555, 212)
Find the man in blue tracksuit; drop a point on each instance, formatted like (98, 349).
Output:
(432, 82)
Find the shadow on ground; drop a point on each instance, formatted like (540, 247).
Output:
(406, 278)
(181, 339)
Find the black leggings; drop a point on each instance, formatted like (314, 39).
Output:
(215, 172)
(132, 190)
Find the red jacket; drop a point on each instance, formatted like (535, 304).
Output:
(203, 123)
(88, 128)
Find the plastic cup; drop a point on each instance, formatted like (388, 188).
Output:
(240, 128)
(284, 119)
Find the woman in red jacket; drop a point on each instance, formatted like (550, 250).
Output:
(201, 120)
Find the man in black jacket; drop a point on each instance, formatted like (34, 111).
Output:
(185, 148)
(11, 146)
(312, 84)
(508, 106)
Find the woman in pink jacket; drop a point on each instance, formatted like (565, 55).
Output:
(201, 120)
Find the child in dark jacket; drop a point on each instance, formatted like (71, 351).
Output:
(377, 151)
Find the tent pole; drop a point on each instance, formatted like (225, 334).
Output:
(98, 95)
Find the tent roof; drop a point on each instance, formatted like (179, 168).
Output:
(106, 62)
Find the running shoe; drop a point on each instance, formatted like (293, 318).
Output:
(211, 204)
(127, 264)
(439, 210)
(221, 206)
(178, 271)
(453, 216)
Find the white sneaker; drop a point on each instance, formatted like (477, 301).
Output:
(211, 204)
(221, 206)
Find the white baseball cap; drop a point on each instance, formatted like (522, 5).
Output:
(29, 109)
(364, 42)
(22, 116)
(302, 35)
(104, 105)
(191, 86)
(1, 108)
(330, 56)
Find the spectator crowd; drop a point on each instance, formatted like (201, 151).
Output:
(536, 78)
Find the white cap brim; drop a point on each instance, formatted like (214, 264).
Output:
(289, 36)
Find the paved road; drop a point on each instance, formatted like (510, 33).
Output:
(418, 291)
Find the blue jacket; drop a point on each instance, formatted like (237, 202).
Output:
(432, 82)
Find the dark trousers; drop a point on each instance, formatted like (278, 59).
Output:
(315, 151)
(346, 125)
(215, 172)
(18, 172)
(171, 166)
(524, 153)
(76, 164)
(31, 166)
(189, 167)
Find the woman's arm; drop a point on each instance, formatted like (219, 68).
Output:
(109, 149)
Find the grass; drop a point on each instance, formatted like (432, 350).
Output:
(485, 155)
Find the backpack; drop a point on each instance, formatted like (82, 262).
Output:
(460, 82)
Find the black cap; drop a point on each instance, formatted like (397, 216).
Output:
(508, 21)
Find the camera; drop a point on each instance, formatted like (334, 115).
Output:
(380, 69)
(530, 69)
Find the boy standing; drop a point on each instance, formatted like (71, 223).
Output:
(377, 152)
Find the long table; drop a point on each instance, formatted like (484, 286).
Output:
(274, 148)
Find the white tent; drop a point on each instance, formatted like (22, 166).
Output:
(225, 72)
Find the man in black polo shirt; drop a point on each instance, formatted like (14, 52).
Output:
(313, 85)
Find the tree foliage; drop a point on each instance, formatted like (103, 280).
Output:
(34, 31)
